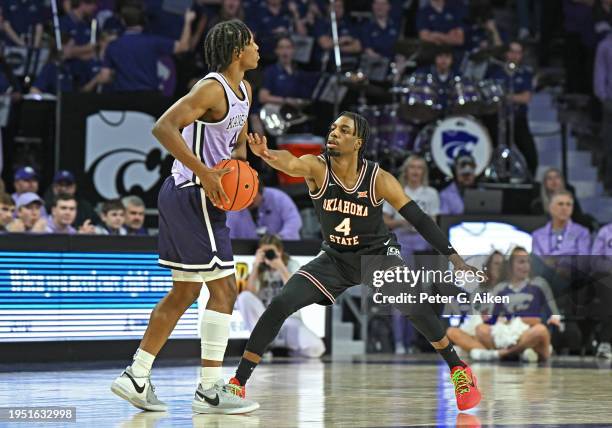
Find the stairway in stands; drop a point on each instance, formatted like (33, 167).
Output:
(582, 169)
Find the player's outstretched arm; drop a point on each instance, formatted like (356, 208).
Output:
(201, 99)
(388, 188)
(305, 166)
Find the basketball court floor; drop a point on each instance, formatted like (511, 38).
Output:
(372, 391)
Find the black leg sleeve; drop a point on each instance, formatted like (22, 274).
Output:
(297, 293)
(424, 320)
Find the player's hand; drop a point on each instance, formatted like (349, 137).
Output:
(211, 182)
(259, 146)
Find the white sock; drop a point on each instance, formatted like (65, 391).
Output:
(143, 361)
(209, 375)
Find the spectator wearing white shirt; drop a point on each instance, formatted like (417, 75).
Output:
(414, 177)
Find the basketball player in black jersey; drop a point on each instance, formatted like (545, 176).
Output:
(348, 191)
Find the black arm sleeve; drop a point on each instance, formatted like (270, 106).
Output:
(427, 228)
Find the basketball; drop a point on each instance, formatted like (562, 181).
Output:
(240, 185)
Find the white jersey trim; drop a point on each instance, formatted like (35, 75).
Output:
(214, 261)
(362, 174)
(319, 193)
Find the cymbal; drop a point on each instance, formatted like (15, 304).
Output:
(410, 47)
(367, 88)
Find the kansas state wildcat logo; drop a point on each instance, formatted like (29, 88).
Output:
(456, 136)
(122, 157)
(457, 143)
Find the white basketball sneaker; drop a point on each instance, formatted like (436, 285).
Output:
(138, 391)
(222, 398)
(484, 355)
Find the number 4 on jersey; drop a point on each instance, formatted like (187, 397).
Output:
(344, 226)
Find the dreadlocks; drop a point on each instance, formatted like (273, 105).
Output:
(362, 131)
(222, 41)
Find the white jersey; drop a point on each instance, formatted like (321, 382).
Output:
(212, 142)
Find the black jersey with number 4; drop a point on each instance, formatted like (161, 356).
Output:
(351, 218)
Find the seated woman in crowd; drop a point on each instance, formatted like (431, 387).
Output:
(464, 336)
(270, 271)
(518, 327)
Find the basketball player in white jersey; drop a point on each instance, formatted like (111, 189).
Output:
(193, 238)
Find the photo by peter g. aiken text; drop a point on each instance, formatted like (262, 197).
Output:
(461, 298)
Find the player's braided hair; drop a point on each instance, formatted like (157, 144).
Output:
(222, 41)
(362, 131)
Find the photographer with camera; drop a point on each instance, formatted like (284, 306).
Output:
(270, 271)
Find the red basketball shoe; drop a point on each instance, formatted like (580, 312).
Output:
(466, 389)
(237, 389)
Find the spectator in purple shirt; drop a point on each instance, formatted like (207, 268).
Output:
(23, 22)
(272, 212)
(76, 26)
(63, 215)
(131, 60)
(134, 215)
(451, 197)
(271, 21)
(519, 329)
(381, 32)
(441, 23)
(348, 37)
(560, 236)
(602, 83)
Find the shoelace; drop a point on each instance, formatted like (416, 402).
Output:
(233, 389)
(462, 381)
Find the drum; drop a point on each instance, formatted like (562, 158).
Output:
(492, 95)
(419, 99)
(464, 97)
(394, 133)
(443, 141)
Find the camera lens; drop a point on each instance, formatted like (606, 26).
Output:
(270, 254)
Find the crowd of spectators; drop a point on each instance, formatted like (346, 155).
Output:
(62, 211)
